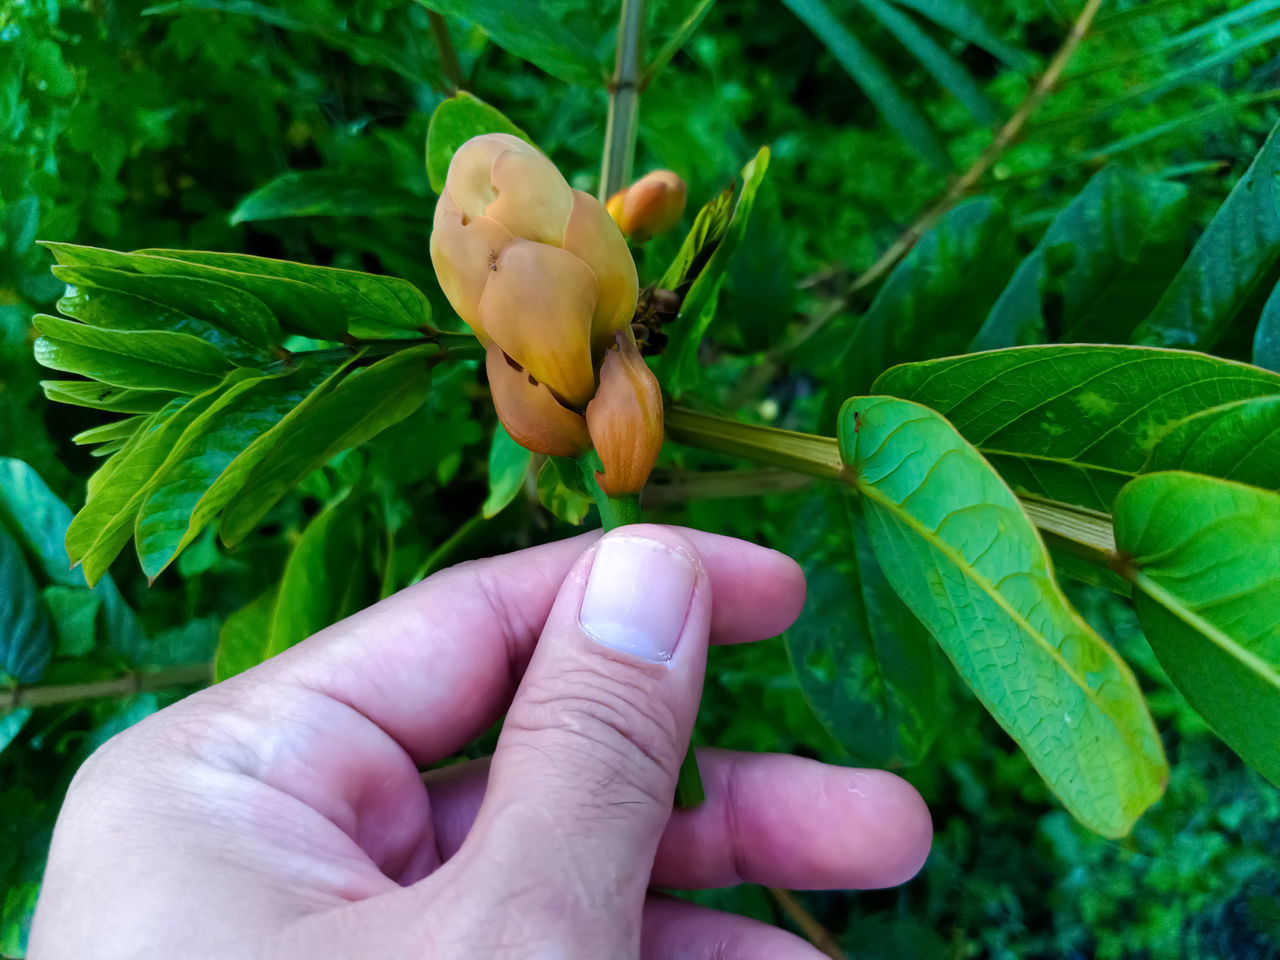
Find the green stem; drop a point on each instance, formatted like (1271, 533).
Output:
(617, 512)
(449, 64)
(122, 686)
(624, 100)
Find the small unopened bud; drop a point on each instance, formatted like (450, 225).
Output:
(625, 419)
(650, 206)
(532, 415)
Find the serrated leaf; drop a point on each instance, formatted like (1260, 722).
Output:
(26, 640)
(560, 47)
(119, 298)
(558, 491)
(327, 193)
(1266, 339)
(945, 69)
(1206, 560)
(1073, 423)
(1237, 441)
(101, 396)
(454, 122)
(864, 662)
(242, 641)
(168, 519)
(508, 464)
(954, 543)
(935, 299)
(1102, 265)
(322, 578)
(1234, 256)
(145, 360)
(358, 408)
(116, 430)
(874, 80)
(680, 365)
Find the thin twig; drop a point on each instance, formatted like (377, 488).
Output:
(448, 56)
(818, 935)
(624, 100)
(43, 695)
(1004, 139)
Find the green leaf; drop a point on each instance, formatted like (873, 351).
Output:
(963, 19)
(1205, 555)
(560, 47)
(508, 464)
(874, 80)
(116, 430)
(1234, 256)
(322, 578)
(954, 543)
(100, 396)
(74, 611)
(680, 365)
(456, 121)
(945, 69)
(242, 641)
(935, 299)
(328, 193)
(229, 318)
(680, 34)
(26, 641)
(864, 662)
(11, 725)
(1237, 441)
(558, 491)
(1102, 264)
(358, 408)
(144, 360)
(1073, 423)
(700, 243)
(1266, 339)
(177, 506)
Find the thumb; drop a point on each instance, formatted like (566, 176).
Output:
(585, 769)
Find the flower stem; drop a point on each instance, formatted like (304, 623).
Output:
(617, 512)
(624, 100)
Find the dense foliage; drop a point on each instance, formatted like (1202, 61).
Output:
(925, 204)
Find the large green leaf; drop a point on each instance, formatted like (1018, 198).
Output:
(1233, 258)
(1073, 423)
(1205, 561)
(954, 543)
(965, 21)
(1266, 339)
(146, 360)
(167, 520)
(865, 663)
(321, 583)
(242, 641)
(1100, 267)
(935, 299)
(26, 640)
(680, 366)
(100, 396)
(874, 80)
(1237, 441)
(362, 405)
(122, 299)
(560, 46)
(456, 121)
(508, 464)
(328, 193)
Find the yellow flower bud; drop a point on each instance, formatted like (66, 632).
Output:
(533, 417)
(650, 206)
(625, 418)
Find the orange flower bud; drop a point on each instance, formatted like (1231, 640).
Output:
(650, 206)
(625, 418)
(533, 417)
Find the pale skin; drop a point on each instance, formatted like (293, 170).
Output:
(282, 814)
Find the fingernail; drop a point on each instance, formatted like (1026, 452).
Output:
(637, 597)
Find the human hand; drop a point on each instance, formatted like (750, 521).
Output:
(281, 814)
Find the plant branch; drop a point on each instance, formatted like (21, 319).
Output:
(624, 100)
(1004, 138)
(43, 695)
(674, 487)
(817, 934)
(448, 56)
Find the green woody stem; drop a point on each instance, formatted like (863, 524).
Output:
(624, 100)
(617, 512)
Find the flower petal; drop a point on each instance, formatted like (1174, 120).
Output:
(533, 199)
(464, 253)
(594, 238)
(625, 419)
(533, 417)
(469, 180)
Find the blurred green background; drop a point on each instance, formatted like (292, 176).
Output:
(127, 126)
